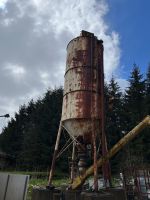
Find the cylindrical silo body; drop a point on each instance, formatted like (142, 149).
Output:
(81, 112)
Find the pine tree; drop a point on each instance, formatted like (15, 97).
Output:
(134, 107)
(147, 96)
(114, 117)
(146, 138)
(30, 137)
(134, 98)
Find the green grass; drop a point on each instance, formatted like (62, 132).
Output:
(41, 179)
(42, 183)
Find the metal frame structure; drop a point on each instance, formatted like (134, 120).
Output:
(74, 142)
(136, 181)
(117, 147)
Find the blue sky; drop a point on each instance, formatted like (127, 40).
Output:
(131, 19)
(34, 35)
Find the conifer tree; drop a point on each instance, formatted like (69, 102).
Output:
(146, 137)
(134, 107)
(113, 118)
(147, 96)
(134, 98)
(30, 136)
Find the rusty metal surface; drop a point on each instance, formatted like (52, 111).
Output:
(55, 155)
(82, 86)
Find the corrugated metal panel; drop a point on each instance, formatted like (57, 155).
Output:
(13, 186)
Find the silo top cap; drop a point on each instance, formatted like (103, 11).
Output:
(86, 34)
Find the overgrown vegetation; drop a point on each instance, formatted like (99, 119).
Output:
(30, 136)
(42, 183)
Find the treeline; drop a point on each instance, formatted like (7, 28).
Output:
(123, 112)
(30, 136)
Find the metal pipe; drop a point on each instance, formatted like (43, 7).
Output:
(118, 146)
(55, 155)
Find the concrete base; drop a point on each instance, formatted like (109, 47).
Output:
(108, 194)
(72, 195)
(39, 193)
(57, 196)
(118, 193)
(96, 196)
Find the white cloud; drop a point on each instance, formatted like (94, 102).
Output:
(45, 78)
(2, 4)
(34, 35)
(64, 17)
(15, 70)
(7, 21)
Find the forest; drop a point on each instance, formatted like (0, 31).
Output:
(30, 135)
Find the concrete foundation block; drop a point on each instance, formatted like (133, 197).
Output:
(57, 196)
(72, 195)
(118, 193)
(107, 194)
(42, 194)
(96, 196)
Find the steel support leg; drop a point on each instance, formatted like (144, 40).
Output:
(55, 155)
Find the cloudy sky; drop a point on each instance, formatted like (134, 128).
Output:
(34, 35)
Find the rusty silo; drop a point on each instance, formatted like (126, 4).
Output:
(82, 112)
